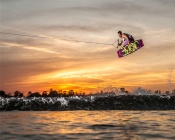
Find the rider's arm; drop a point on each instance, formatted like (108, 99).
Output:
(119, 44)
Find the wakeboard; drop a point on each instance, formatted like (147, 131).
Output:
(130, 48)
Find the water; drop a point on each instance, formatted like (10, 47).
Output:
(95, 102)
(87, 125)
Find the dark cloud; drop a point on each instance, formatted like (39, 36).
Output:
(85, 28)
(89, 28)
(105, 9)
(115, 8)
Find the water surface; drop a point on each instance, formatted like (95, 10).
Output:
(129, 125)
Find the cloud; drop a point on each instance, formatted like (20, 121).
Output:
(32, 63)
(93, 28)
(29, 47)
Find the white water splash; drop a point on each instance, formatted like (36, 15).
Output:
(92, 98)
(171, 79)
(63, 101)
(141, 91)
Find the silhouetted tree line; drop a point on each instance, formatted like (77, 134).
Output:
(61, 93)
(16, 94)
(51, 93)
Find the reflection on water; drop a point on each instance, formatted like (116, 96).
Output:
(137, 125)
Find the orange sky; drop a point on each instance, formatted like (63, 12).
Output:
(34, 64)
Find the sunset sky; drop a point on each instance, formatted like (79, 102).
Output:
(38, 64)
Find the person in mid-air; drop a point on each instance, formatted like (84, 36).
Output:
(126, 38)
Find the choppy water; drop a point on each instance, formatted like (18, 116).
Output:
(61, 125)
(105, 102)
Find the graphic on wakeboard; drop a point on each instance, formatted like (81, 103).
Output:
(130, 48)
